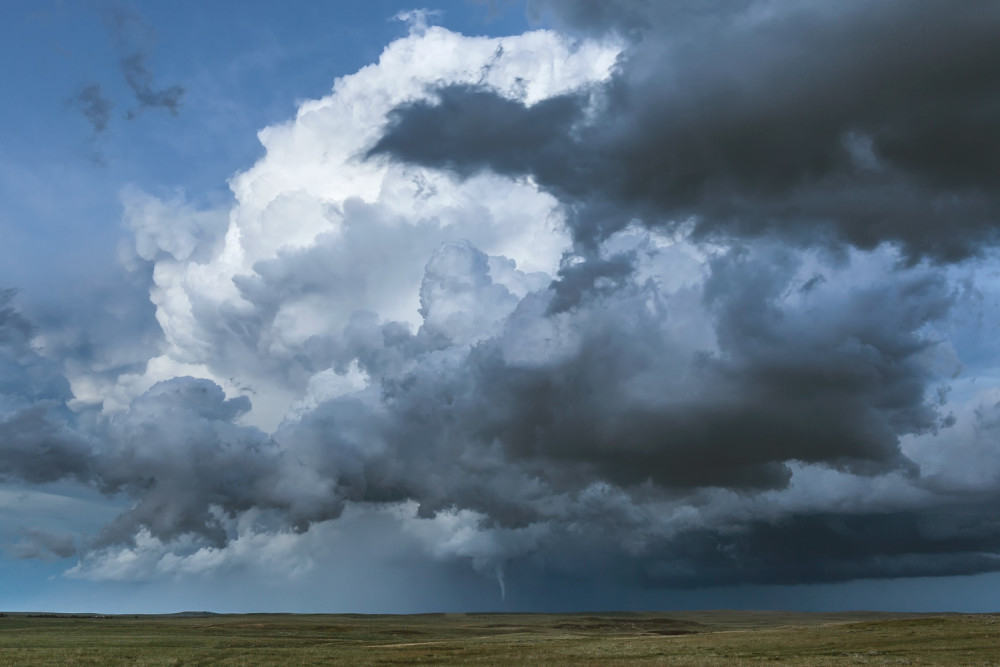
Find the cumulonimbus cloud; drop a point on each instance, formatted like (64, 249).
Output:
(548, 298)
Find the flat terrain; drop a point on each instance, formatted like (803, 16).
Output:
(676, 638)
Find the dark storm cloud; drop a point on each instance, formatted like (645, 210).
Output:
(856, 122)
(831, 547)
(153, 453)
(471, 129)
(587, 277)
(179, 454)
(603, 392)
(525, 424)
(501, 426)
(818, 547)
(39, 445)
(37, 441)
(625, 405)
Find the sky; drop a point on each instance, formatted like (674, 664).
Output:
(499, 306)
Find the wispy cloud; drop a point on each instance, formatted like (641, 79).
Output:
(94, 106)
(134, 40)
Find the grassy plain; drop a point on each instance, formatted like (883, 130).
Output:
(677, 638)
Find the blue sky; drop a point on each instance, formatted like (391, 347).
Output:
(241, 70)
(498, 306)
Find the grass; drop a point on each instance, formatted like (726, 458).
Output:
(681, 638)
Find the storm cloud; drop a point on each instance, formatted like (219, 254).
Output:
(859, 123)
(698, 299)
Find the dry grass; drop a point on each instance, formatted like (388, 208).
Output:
(682, 638)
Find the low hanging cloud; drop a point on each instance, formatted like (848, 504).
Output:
(618, 307)
(39, 442)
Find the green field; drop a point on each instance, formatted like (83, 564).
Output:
(679, 638)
